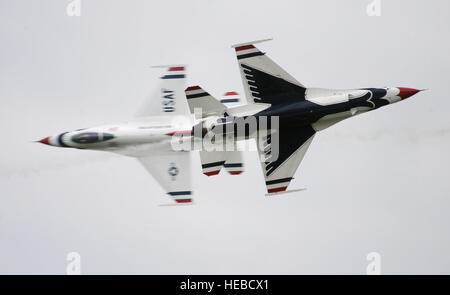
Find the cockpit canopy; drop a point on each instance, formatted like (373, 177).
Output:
(91, 137)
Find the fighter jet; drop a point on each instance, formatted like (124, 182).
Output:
(147, 137)
(300, 112)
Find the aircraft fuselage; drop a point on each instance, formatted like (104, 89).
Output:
(319, 108)
(132, 138)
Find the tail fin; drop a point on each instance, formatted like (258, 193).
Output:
(212, 162)
(200, 99)
(233, 162)
(231, 99)
(264, 81)
(168, 99)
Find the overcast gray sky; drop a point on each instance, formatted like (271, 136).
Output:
(378, 182)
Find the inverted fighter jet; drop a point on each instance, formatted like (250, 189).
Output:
(147, 137)
(301, 112)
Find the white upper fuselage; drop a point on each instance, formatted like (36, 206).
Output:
(135, 138)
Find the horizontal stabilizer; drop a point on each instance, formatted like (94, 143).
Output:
(202, 104)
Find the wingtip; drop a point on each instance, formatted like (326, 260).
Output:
(251, 42)
(285, 192)
(169, 66)
(177, 204)
(196, 87)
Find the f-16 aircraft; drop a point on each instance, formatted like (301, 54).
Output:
(272, 92)
(148, 136)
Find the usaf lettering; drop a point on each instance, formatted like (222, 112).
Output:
(168, 100)
(244, 284)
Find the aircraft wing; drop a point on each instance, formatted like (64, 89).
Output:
(173, 172)
(264, 81)
(169, 98)
(281, 152)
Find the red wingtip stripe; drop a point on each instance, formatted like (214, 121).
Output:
(235, 172)
(211, 173)
(173, 69)
(244, 47)
(193, 88)
(179, 132)
(183, 200)
(277, 189)
(231, 93)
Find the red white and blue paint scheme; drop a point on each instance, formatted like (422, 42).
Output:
(147, 137)
(271, 92)
(207, 110)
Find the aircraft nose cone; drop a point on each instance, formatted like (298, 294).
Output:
(45, 140)
(407, 92)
